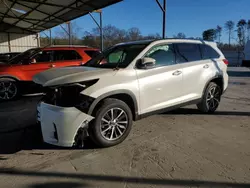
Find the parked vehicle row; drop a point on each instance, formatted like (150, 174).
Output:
(16, 75)
(5, 57)
(125, 83)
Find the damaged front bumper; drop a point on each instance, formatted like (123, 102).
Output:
(60, 125)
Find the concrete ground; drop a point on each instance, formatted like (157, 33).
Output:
(182, 148)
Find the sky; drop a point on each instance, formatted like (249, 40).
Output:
(191, 17)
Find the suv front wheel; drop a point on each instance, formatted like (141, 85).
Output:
(211, 98)
(112, 123)
(8, 89)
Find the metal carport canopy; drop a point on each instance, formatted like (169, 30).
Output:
(33, 16)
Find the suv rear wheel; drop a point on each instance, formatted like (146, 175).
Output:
(112, 123)
(211, 98)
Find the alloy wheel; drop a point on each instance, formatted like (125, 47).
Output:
(8, 90)
(114, 124)
(213, 97)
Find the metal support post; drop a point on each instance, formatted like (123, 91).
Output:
(50, 37)
(69, 29)
(99, 26)
(164, 10)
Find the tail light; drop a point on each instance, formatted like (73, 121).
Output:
(226, 61)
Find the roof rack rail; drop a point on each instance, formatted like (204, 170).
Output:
(68, 45)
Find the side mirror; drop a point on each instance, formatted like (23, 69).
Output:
(146, 63)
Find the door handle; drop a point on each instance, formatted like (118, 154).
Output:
(176, 73)
(52, 65)
(206, 66)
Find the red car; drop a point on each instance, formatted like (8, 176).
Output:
(18, 72)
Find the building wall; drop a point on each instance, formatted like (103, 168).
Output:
(10, 42)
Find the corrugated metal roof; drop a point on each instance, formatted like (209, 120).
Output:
(33, 16)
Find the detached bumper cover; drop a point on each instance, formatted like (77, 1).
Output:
(60, 125)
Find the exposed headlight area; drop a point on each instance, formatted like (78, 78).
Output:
(69, 95)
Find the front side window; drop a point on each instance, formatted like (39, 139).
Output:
(24, 58)
(163, 54)
(188, 52)
(66, 55)
(118, 56)
(42, 56)
(208, 52)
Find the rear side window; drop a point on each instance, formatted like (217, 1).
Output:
(188, 52)
(62, 55)
(92, 53)
(208, 52)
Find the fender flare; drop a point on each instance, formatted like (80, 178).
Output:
(10, 77)
(215, 77)
(120, 91)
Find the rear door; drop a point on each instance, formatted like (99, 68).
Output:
(194, 70)
(63, 58)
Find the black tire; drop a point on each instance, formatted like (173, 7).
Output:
(14, 86)
(95, 127)
(209, 102)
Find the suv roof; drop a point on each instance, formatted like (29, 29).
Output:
(68, 47)
(168, 39)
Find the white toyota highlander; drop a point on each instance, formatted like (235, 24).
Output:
(125, 83)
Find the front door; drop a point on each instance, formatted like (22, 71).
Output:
(160, 86)
(40, 62)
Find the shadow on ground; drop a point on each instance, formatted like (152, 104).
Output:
(81, 178)
(30, 137)
(189, 111)
(59, 184)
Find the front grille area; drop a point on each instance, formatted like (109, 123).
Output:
(68, 96)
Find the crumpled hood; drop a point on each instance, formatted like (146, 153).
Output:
(66, 75)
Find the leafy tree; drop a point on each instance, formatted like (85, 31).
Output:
(180, 36)
(229, 27)
(209, 34)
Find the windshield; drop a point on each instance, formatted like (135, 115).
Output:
(19, 59)
(117, 56)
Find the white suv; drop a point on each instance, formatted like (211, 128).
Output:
(127, 82)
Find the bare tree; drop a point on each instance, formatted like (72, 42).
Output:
(229, 27)
(218, 32)
(63, 33)
(152, 36)
(180, 36)
(134, 33)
